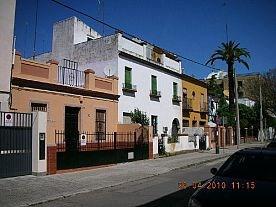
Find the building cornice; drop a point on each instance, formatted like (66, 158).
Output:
(165, 70)
(62, 88)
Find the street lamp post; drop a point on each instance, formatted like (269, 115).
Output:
(216, 99)
(238, 132)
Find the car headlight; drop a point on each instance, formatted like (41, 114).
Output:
(194, 203)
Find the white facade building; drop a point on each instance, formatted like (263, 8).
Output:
(7, 14)
(145, 67)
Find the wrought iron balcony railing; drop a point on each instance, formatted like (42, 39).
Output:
(187, 104)
(155, 93)
(176, 98)
(129, 87)
(71, 77)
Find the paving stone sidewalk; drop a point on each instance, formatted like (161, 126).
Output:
(28, 190)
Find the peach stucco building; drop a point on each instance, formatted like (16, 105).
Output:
(88, 107)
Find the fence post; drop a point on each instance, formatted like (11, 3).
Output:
(115, 139)
(98, 137)
(134, 139)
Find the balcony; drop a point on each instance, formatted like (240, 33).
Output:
(155, 93)
(128, 87)
(176, 99)
(150, 53)
(71, 77)
(187, 104)
(204, 107)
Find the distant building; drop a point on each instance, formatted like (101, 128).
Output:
(7, 14)
(244, 82)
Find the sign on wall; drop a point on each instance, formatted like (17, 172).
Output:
(83, 139)
(8, 119)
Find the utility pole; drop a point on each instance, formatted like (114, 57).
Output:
(238, 130)
(261, 112)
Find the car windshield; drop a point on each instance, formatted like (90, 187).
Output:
(250, 166)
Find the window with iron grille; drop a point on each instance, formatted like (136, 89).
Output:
(39, 107)
(100, 123)
(154, 124)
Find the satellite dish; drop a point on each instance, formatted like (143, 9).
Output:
(109, 71)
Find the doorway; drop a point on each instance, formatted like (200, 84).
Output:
(72, 128)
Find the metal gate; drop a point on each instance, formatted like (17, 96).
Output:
(15, 144)
(99, 149)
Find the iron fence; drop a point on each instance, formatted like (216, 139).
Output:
(96, 141)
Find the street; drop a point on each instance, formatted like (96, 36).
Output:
(160, 190)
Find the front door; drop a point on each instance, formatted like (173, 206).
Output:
(72, 128)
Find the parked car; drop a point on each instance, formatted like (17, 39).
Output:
(272, 145)
(247, 178)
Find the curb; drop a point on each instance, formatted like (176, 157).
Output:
(118, 184)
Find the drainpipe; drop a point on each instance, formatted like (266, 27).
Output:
(13, 60)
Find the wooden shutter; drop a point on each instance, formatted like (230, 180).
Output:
(174, 89)
(153, 83)
(128, 75)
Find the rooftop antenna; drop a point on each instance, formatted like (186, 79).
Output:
(101, 6)
(35, 29)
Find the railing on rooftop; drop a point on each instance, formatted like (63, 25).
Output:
(71, 77)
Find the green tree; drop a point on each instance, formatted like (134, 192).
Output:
(139, 117)
(230, 52)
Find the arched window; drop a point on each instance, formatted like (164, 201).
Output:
(175, 127)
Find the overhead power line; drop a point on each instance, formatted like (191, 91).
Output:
(131, 35)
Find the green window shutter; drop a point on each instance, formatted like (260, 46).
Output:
(153, 83)
(174, 89)
(127, 76)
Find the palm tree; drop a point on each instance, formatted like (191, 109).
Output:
(230, 53)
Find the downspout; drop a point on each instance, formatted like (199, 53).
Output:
(13, 60)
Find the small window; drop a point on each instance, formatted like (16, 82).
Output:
(202, 123)
(193, 94)
(239, 83)
(154, 124)
(126, 118)
(39, 107)
(194, 124)
(100, 124)
(185, 123)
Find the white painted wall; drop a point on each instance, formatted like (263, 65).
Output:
(39, 167)
(182, 144)
(172, 64)
(141, 76)
(7, 14)
(131, 47)
(81, 31)
(155, 145)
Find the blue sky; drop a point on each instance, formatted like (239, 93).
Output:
(193, 28)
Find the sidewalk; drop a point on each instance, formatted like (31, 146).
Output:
(28, 190)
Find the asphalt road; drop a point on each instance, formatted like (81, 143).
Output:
(161, 190)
